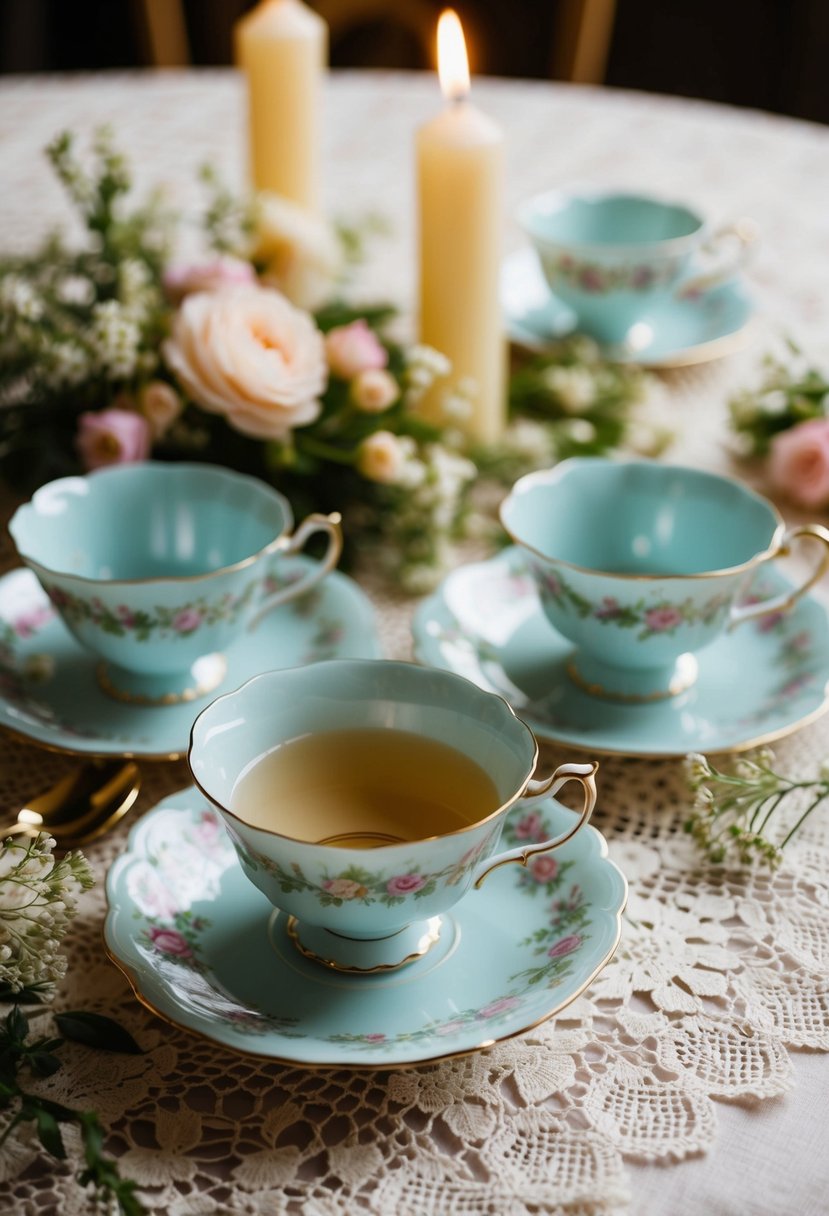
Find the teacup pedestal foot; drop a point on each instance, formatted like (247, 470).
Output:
(173, 688)
(636, 685)
(363, 956)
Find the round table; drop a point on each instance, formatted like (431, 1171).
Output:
(626, 1105)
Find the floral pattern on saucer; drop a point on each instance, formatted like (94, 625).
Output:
(201, 944)
(49, 691)
(757, 682)
(598, 279)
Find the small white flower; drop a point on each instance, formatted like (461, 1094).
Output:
(19, 296)
(114, 336)
(773, 403)
(581, 431)
(574, 388)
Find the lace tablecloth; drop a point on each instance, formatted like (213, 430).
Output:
(687, 1081)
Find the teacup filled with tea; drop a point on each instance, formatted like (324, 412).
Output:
(641, 564)
(157, 568)
(365, 798)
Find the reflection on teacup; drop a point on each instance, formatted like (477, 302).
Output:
(367, 856)
(156, 568)
(613, 258)
(642, 564)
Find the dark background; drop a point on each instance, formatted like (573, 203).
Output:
(770, 54)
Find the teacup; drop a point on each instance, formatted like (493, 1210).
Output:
(156, 568)
(640, 565)
(371, 908)
(616, 258)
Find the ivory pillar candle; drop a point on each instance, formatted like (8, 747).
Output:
(282, 47)
(460, 176)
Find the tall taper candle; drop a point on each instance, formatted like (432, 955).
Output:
(282, 47)
(460, 177)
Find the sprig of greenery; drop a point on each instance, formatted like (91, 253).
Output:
(733, 810)
(571, 401)
(791, 390)
(22, 1053)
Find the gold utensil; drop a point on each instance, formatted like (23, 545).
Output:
(81, 806)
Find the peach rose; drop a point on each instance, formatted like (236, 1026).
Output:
(354, 348)
(247, 353)
(799, 463)
(301, 255)
(374, 391)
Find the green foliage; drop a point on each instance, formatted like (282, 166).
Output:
(790, 391)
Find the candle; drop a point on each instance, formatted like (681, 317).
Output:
(282, 47)
(460, 175)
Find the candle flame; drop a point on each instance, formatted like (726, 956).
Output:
(453, 65)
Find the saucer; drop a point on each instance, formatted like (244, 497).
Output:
(203, 948)
(686, 330)
(49, 687)
(756, 684)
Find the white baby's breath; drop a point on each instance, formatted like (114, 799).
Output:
(38, 898)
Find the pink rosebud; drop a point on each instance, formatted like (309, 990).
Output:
(566, 945)
(544, 868)
(183, 278)
(405, 884)
(375, 1038)
(661, 620)
(170, 941)
(187, 620)
(799, 463)
(351, 349)
(112, 437)
(161, 405)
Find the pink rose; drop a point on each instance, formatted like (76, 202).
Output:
(530, 827)
(170, 941)
(29, 622)
(608, 610)
(499, 1006)
(565, 946)
(183, 278)
(544, 868)
(661, 620)
(351, 349)
(125, 616)
(450, 1027)
(405, 884)
(247, 353)
(112, 437)
(374, 1038)
(799, 463)
(187, 620)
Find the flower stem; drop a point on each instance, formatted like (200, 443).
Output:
(325, 451)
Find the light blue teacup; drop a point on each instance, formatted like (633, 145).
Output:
(371, 908)
(640, 565)
(156, 568)
(614, 258)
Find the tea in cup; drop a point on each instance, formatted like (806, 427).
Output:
(365, 798)
(641, 564)
(156, 568)
(615, 258)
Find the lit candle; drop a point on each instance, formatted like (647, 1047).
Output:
(282, 47)
(460, 176)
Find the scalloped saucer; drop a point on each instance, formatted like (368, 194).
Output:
(203, 948)
(686, 330)
(756, 684)
(49, 691)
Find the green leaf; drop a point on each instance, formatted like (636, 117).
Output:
(43, 1064)
(96, 1030)
(49, 1134)
(17, 1025)
(34, 995)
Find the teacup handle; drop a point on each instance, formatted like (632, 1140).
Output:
(332, 524)
(537, 791)
(784, 601)
(726, 266)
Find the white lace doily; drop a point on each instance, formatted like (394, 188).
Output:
(720, 975)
